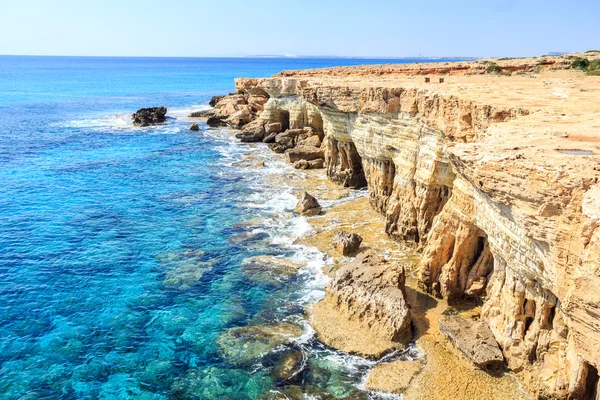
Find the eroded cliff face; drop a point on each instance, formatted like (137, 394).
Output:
(499, 213)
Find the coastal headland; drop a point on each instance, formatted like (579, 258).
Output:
(487, 173)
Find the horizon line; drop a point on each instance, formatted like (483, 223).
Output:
(260, 56)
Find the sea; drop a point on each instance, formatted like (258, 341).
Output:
(123, 250)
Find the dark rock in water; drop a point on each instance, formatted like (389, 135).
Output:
(203, 114)
(289, 367)
(215, 122)
(346, 243)
(194, 127)
(214, 100)
(308, 205)
(474, 339)
(149, 116)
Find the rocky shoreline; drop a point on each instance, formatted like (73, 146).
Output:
(493, 178)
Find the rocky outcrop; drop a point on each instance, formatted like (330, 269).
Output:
(474, 339)
(149, 116)
(308, 205)
(346, 244)
(495, 179)
(364, 311)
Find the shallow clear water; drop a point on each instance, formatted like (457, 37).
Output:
(121, 247)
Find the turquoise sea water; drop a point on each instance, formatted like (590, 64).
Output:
(121, 248)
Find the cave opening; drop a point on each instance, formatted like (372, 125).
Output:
(591, 383)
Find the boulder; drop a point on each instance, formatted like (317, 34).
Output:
(474, 339)
(149, 116)
(278, 148)
(270, 138)
(308, 205)
(257, 103)
(240, 118)
(215, 122)
(346, 244)
(194, 127)
(364, 311)
(307, 153)
(253, 131)
(311, 141)
(274, 127)
(313, 164)
(214, 100)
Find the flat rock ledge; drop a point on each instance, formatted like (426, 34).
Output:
(364, 311)
(474, 339)
(393, 377)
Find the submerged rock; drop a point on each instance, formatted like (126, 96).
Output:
(187, 274)
(247, 345)
(393, 377)
(346, 244)
(149, 116)
(220, 383)
(364, 311)
(194, 127)
(269, 269)
(474, 339)
(308, 205)
(289, 367)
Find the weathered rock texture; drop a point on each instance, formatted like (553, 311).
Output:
(495, 177)
(474, 339)
(149, 116)
(364, 311)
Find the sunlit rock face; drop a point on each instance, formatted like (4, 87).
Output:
(498, 216)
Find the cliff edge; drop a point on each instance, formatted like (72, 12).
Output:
(494, 173)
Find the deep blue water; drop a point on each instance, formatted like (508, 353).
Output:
(121, 247)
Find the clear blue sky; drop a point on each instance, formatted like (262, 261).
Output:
(302, 27)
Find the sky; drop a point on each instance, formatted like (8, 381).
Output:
(367, 28)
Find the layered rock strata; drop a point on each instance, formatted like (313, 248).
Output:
(497, 180)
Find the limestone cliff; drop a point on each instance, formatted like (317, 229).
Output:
(496, 178)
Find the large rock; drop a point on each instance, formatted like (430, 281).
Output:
(240, 118)
(194, 127)
(253, 132)
(307, 153)
(149, 116)
(308, 205)
(345, 243)
(364, 311)
(474, 339)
